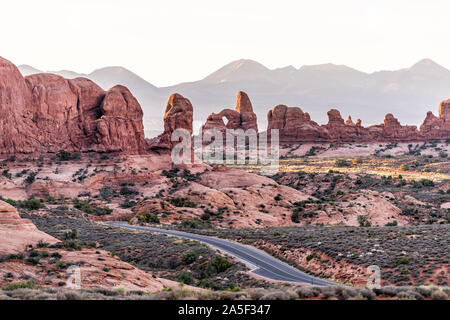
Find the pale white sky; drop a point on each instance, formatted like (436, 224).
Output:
(169, 41)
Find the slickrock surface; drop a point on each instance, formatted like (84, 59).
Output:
(17, 233)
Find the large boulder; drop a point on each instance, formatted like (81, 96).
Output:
(46, 113)
(17, 233)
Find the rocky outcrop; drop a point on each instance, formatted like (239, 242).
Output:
(392, 130)
(296, 126)
(46, 113)
(338, 130)
(242, 117)
(18, 233)
(178, 115)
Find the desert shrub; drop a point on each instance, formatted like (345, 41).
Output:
(63, 155)
(128, 204)
(106, 193)
(392, 224)
(189, 257)
(85, 206)
(209, 284)
(72, 234)
(276, 295)
(295, 217)
(357, 161)
(307, 292)
(32, 204)
(438, 295)
(217, 265)
(185, 277)
(182, 202)
(206, 216)
(194, 224)
(7, 174)
(19, 285)
(427, 182)
(148, 218)
(125, 191)
(342, 163)
(31, 177)
(403, 260)
(363, 222)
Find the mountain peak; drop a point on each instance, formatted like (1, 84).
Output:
(238, 70)
(427, 65)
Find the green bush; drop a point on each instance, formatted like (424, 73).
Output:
(206, 216)
(32, 204)
(189, 257)
(31, 178)
(363, 222)
(185, 277)
(85, 206)
(403, 260)
(125, 191)
(295, 216)
(19, 285)
(195, 224)
(148, 218)
(217, 265)
(182, 202)
(311, 256)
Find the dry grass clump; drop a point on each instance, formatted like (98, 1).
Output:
(183, 293)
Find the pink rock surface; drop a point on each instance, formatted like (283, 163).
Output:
(17, 233)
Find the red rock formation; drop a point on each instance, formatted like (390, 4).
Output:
(242, 117)
(46, 113)
(437, 127)
(178, 115)
(295, 125)
(339, 130)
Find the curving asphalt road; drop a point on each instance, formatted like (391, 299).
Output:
(262, 263)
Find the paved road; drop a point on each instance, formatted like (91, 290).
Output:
(263, 264)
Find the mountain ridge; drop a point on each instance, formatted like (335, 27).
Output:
(408, 93)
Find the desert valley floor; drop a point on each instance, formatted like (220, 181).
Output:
(326, 214)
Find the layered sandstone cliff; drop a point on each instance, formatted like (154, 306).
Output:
(47, 113)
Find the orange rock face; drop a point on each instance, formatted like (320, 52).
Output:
(46, 113)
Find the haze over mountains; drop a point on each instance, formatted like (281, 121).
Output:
(407, 93)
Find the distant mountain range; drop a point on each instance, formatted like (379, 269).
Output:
(407, 93)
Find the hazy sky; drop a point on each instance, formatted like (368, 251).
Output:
(168, 42)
